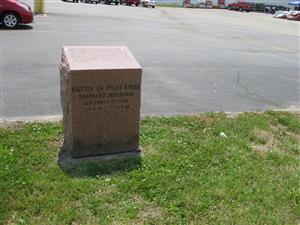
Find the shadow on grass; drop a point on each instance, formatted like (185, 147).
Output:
(20, 27)
(98, 165)
(96, 169)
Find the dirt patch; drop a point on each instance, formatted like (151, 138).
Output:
(179, 129)
(11, 125)
(57, 142)
(205, 119)
(283, 130)
(265, 141)
(151, 211)
(294, 136)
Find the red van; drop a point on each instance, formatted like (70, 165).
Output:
(241, 6)
(13, 12)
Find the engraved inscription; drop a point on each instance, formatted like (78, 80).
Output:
(105, 97)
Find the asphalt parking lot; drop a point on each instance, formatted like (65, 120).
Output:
(194, 60)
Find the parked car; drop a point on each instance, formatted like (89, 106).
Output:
(13, 13)
(241, 6)
(130, 2)
(147, 3)
(88, 1)
(294, 15)
(108, 2)
(273, 8)
(259, 7)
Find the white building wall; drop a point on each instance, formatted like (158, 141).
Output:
(269, 2)
(215, 2)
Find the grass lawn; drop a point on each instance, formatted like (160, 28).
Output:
(188, 174)
(169, 5)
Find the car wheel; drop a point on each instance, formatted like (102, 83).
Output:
(229, 8)
(240, 9)
(153, 7)
(136, 5)
(10, 20)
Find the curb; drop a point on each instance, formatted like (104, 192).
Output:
(57, 118)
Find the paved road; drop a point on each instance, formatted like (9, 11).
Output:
(193, 60)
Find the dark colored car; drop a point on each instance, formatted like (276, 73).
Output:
(241, 6)
(259, 7)
(108, 2)
(130, 2)
(87, 1)
(13, 12)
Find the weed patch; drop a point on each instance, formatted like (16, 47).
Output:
(187, 175)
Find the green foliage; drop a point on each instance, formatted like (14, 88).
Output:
(169, 5)
(188, 174)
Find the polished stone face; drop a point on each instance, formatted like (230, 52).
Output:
(100, 97)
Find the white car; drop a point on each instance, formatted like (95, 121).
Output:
(147, 3)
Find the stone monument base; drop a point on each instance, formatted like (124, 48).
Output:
(65, 159)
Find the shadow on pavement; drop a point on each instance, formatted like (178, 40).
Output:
(70, 1)
(20, 27)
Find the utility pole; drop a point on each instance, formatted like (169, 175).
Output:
(39, 6)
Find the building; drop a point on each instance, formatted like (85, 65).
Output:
(215, 2)
(268, 2)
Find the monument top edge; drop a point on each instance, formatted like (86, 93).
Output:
(99, 57)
